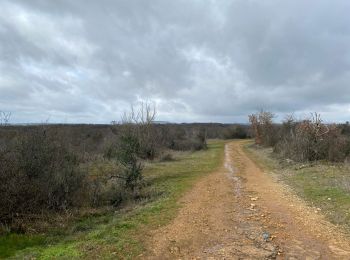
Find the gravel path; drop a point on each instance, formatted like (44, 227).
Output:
(240, 212)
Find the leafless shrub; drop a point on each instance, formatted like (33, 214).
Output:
(337, 145)
(140, 123)
(255, 125)
(263, 128)
(311, 140)
(37, 174)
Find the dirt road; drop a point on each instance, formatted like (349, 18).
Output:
(240, 212)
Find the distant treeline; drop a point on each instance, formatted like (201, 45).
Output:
(94, 139)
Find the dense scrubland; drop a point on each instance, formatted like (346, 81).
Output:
(54, 172)
(64, 186)
(116, 232)
(309, 155)
(305, 140)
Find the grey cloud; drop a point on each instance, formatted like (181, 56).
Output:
(87, 61)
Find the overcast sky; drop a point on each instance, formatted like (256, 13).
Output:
(197, 60)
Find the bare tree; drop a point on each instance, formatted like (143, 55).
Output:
(144, 114)
(140, 121)
(318, 127)
(263, 129)
(5, 118)
(253, 119)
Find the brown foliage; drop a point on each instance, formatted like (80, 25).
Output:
(306, 140)
(263, 128)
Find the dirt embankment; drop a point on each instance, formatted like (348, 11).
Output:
(239, 212)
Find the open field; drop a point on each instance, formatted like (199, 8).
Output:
(122, 233)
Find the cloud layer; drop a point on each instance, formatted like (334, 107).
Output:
(87, 61)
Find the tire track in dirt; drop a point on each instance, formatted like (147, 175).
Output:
(239, 212)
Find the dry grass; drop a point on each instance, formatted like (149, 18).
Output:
(324, 185)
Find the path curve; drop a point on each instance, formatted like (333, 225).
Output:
(240, 212)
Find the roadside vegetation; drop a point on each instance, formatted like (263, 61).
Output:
(309, 155)
(305, 140)
(121, 233)
(42, 172)
(76, 191)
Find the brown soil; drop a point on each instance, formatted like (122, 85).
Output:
(240, 212)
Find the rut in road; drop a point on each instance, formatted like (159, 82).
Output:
(241, 212)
